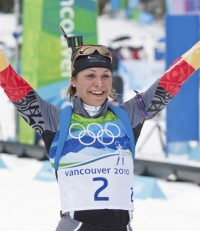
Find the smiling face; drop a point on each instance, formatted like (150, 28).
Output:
(93, 85)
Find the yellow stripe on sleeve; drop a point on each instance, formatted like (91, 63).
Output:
(192, 56)
(3, 61)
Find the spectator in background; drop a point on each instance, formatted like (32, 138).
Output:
(137, 53)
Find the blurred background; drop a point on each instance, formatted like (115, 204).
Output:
(145, 37)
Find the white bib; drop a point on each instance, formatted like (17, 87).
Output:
(104, 182)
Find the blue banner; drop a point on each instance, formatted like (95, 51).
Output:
(182, 32)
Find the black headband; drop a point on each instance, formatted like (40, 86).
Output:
(93, 60)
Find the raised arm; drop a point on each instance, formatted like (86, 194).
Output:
(157, 96)
(39, 114)
(170, 83)
(14, 86)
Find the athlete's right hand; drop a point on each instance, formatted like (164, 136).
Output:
(3, 61)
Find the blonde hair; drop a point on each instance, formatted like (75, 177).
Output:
(71, 92)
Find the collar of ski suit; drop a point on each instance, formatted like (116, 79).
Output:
(79, 109)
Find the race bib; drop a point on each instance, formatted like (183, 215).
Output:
(105, 182)
(96, 167)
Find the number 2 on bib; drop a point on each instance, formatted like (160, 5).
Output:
(99, 190)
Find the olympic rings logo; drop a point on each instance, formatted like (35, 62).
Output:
(100, 134)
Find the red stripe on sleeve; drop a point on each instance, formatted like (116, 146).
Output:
(175, 76)
(14, 86)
